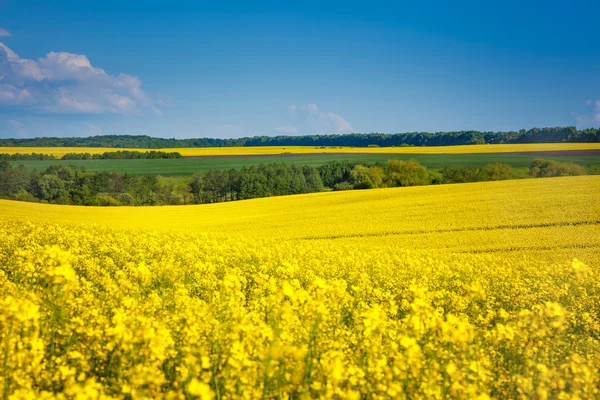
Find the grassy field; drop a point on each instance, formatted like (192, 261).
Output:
(187, 166)
(451, 291)
(274, 150)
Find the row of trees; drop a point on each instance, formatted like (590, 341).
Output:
(109, 155)
(74, 185)
(256, 181)
(534, 135)
(397, 173)
(123, 155)
(26, 157)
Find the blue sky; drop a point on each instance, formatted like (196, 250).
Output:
(231, 69)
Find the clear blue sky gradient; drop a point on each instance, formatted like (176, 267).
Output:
(234, 68)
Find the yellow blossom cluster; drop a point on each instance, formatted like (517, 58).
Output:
(92, 312)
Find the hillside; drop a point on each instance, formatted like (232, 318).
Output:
(555, 215)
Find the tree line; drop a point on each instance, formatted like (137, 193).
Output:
(60, 184)
(534, 135)
(109, 155)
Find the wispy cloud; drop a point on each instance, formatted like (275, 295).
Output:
(4, 32)
(591, 118)
(18, 126)
(157, 111)
(68, 83)
(228, 131)
(93, 129)
(338, 123)
(308, 118)
(286, 129)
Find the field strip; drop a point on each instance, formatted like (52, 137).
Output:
(466, 229)
(532, 148)
(528, 249)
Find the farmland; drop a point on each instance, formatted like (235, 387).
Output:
(187, 166)
(468, 291)
(279, 150)
(454, 156)
(297, 201)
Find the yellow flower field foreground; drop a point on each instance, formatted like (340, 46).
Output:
(275, 150)
(461, 291)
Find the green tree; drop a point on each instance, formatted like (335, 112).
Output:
(335, 172)
(313, 179)
(405, 173)
(196, 185)
(367, 177)
(52, 189)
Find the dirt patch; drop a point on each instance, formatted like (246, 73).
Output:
(278, 155)
(556, 153)
(550, 153)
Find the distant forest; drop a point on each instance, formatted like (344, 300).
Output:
(535, 135)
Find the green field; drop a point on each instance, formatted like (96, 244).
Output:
(187, 166)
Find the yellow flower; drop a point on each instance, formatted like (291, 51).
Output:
(200, 389)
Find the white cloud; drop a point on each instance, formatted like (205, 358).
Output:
(68, 83)
(287, 129)
(4, 32)
(12, 94)
(338, 123)
(308, 118)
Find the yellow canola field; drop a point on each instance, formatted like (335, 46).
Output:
(458, 291)
(552, 215)
(277, 150)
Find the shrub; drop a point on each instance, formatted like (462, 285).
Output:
(126, 199)
(343, 186)
(490, 172)
(499, 172)
(462, 174)
(104, 200)
(541, 168)
(24, 195)
(435, 178)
